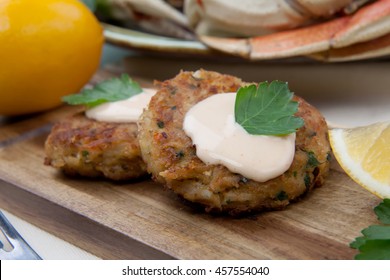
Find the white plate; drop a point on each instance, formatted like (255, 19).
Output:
(144, 41)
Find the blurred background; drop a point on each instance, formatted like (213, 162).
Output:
(349, 88)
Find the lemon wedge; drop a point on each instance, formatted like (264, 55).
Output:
(364, 154)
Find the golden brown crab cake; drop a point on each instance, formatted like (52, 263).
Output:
(82, 146)
(171, 156)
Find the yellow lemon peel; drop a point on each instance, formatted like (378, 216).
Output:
(49, 48)
(364, 154)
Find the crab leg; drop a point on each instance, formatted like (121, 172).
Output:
(375, 48)
(295, 42)
(370, 22)
(302, 41)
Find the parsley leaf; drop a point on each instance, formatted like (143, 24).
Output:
(374, 250)
(383, 211)
(375, 242)
(377, 232)
(359, 241)
(107, 91)
(267, 109)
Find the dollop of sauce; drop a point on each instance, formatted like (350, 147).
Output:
(220, 140)
(122, 111)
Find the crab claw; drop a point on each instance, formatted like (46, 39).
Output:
(155, 16)
(370, 22)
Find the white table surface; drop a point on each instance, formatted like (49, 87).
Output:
(367, 101)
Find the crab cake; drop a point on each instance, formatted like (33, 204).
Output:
(82, 146)
(171, 156)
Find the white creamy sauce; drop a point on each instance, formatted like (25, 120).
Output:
(220, 140)
(128, 110)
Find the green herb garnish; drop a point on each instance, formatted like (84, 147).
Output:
(267, 109)
(282, 195)
(107, 91)
(383, 211)
(307, 181)
(312, 161)
(375, 242)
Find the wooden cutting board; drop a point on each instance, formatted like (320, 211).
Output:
(142, 220)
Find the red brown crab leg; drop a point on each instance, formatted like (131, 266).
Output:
(371, 49)
(372, 20)
(366, 24)
(298, 42)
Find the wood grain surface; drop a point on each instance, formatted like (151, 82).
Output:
(142, 220)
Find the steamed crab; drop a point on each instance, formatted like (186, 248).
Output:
(333, 30)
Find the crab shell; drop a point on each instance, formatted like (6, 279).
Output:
(257, 17)
(364, 34)
(330, 30)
